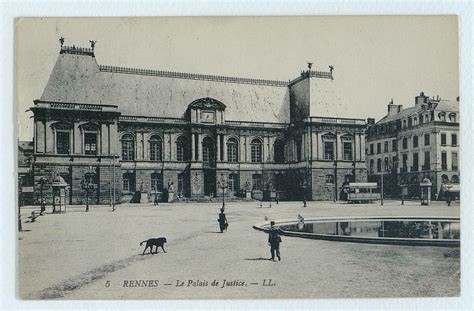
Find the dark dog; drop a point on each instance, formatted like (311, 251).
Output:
(159, 242)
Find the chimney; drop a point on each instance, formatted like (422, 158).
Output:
(421, 99)
(393, 109)
(370, 121)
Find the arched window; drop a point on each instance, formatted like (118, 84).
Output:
(455, 179)
(208, 150)
(182, 153)
(442, 116)
(232, 150)
(155, 144)
(415, 121)
(279, 151)
(128, 147)
(256, 151)
(452, 117)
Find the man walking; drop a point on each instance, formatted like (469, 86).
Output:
(274, 241)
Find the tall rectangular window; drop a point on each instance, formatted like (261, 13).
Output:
(379, 165)
(371, 148)
(415, 141)
(444, 161)
(379, 147)
(385, 146)
(405, 143)
(90, 143)
(128, 182)
(454, 139)
(155, 150)
(415, 162)
(347, 146)
(156, 182)
(127, 150)
(426, 165)
(394, 145)
(427, 139)
(443, 138)
(62, 142)
(454, 161)
(329, 150)
(233, 182)
(404, 162)
(231, 152)
(180, 183)
(257, 182)
(256, 151)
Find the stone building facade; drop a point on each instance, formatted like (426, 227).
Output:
(137, 131)
(410, 144)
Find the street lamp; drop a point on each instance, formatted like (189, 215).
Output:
(88, 185)
(304, 186)
(270, 192)
(43, 207)
(223, 184)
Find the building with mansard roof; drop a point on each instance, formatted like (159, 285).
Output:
(137, 133)
(408, 145)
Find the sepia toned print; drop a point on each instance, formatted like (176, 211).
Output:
(238, 158)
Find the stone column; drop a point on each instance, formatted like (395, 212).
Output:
(77, 140)
(339, 146)
(104, 137)
(193, 147)
(224, 146)
(218, 148)
(199, 147)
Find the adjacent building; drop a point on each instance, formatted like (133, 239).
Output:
(135, 133)
(410, 144)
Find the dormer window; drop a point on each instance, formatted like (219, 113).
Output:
(442, 116)
(452, 117)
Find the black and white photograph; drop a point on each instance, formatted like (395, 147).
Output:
(289, 157)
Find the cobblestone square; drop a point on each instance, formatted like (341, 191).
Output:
(96, 255)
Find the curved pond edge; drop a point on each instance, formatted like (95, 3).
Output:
(265, 226)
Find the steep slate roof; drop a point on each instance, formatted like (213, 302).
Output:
(77, 78)
(441, 105)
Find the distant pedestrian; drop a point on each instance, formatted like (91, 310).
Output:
(274, 241)
(155, 202)
(222, 221)
(43, 206)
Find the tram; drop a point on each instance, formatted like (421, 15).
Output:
(358, 192)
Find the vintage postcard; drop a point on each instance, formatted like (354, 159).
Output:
(238, 157)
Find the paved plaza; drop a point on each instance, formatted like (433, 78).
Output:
(96, 255)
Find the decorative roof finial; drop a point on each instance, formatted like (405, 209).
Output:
(309, 65)
(331, 68)
(93, 43)
(61, 41)
(391, 101)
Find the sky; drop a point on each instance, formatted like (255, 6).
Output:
(375, 58)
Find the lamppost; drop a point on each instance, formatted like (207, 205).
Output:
(88, 185)
(304, 186)
(270, 192)
(43, 207)
(223, 184)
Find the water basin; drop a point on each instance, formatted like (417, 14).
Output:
(435, 231)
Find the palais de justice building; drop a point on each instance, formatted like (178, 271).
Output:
(152, 129)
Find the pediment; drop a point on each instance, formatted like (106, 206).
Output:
(207, 103)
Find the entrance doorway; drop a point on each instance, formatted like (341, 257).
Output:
(209, 183)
